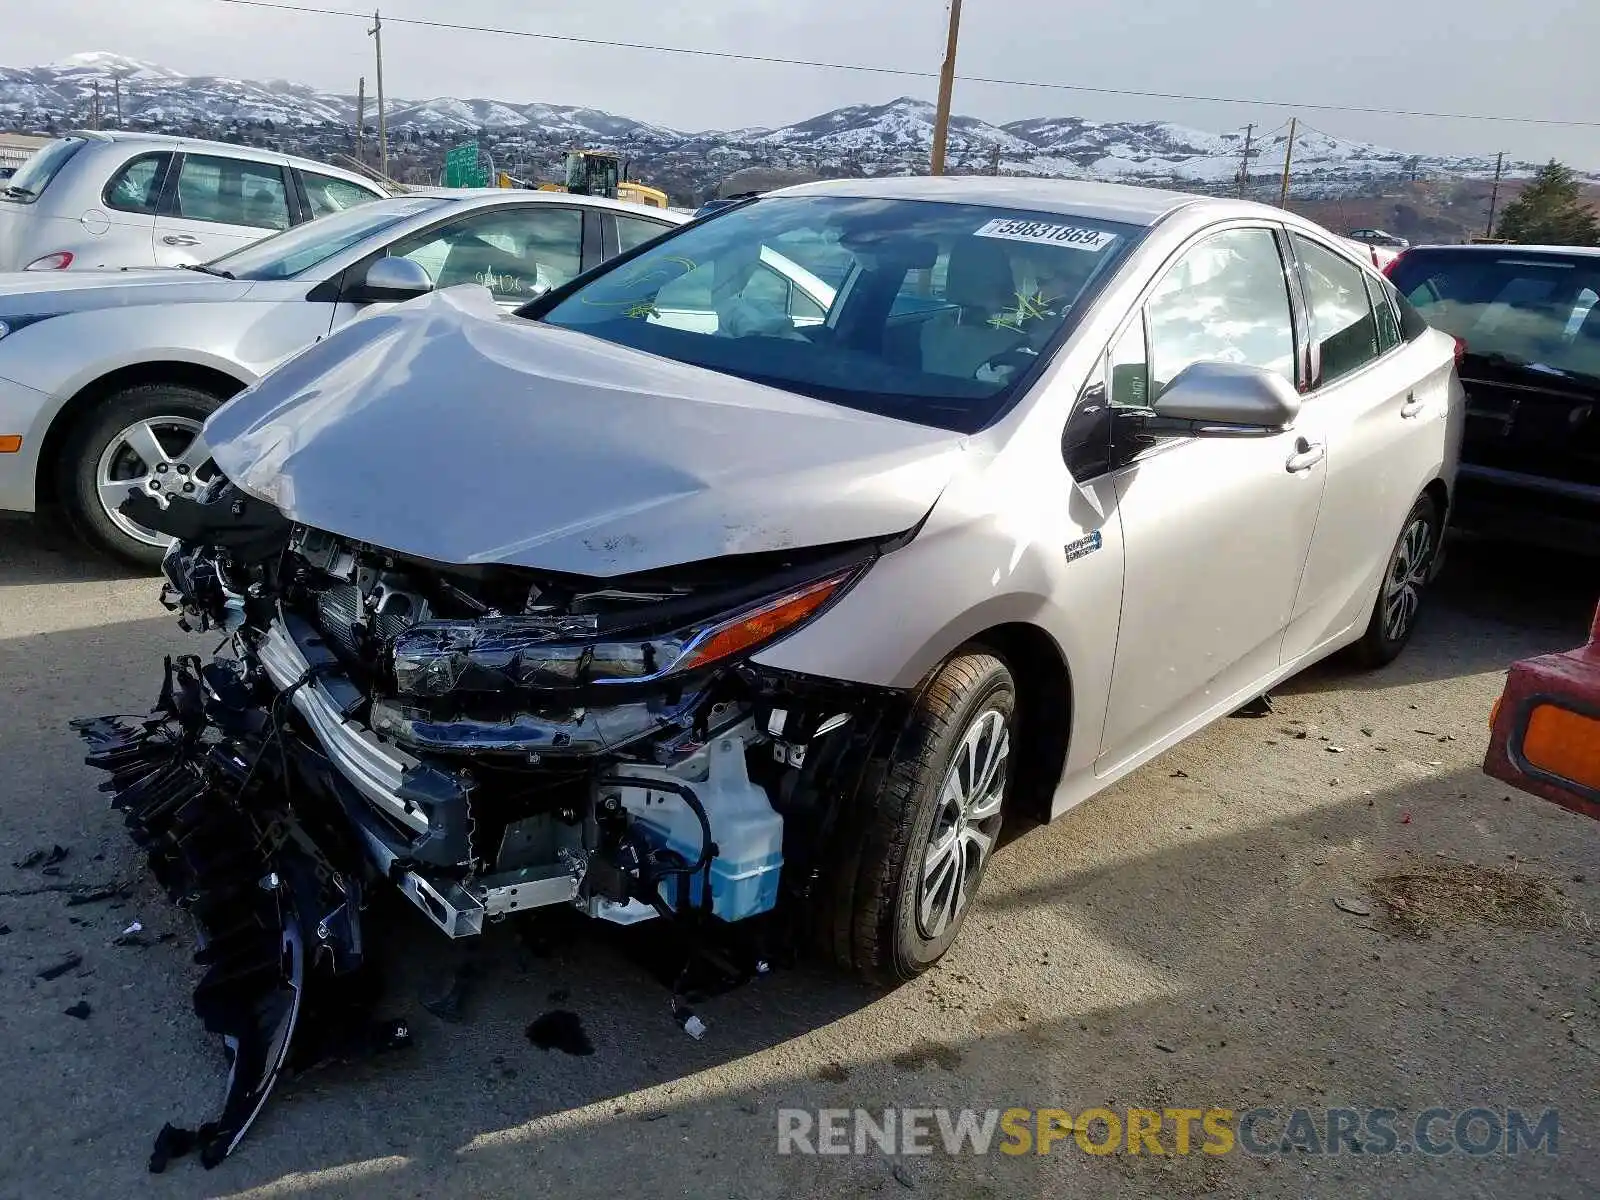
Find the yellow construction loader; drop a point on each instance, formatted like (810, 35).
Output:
(597, 173)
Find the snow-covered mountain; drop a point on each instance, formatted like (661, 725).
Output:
(872, 139)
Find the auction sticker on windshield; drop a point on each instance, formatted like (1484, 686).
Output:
(1014, 229)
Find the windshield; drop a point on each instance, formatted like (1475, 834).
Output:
(34, 176)
(299, 249)
(930, 312)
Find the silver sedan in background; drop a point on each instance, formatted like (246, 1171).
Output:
(107, 376)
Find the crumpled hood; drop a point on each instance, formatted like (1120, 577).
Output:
(34, 293)
(447, 430)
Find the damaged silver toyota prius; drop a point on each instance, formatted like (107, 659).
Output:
(746, 584)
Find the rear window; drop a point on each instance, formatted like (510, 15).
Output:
(1520, 309)
(31, 179)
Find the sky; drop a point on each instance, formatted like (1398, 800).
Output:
(1460, 56)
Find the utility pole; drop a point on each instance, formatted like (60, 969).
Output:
(994, 161)
(947, 83)
(1244, 165)
(1494, 195)
(95, 122)
(383, 126)
(1288, 157)
(361, 118)
(116, 92)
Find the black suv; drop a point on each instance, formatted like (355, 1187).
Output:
(1529, 318)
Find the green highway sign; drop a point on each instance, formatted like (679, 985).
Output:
(461, 167)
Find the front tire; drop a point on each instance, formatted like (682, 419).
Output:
(903, 890)
(1394, 616)
(145, 437)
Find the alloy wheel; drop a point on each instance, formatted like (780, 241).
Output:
(160, 456)
(1408, 573)
(966, 824)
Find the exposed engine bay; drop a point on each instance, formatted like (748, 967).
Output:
(487, 740)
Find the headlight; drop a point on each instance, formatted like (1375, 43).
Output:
(496, 654)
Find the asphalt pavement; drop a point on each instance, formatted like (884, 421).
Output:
(1178, 942)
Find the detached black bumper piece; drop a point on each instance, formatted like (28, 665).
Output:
(277, 925)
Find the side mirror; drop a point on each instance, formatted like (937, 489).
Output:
(1218, 399)
(391, 279)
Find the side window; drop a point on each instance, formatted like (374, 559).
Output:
(517, 253)
(633, 231)
(1383, 311)
(1225, 300)
(136, 188)
(233, 191)
(327, 195)
(762, 300)
(1342, 322)
(1128, 370)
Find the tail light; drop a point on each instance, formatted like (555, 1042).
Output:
(1388, 270)
(1461, 351)
(59, 261)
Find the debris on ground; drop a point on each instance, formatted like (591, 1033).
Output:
(1355, 907)
(70, 963)
(903, 1176)
(94, 895)
(80, 1010)
(452, 1005)
(1261, 706)
(560, 1029)
(4, 929)
(1455, 893)
(44, 858)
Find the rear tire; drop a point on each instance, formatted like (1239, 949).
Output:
(904, 881)
(141, 438)
(1405, 578)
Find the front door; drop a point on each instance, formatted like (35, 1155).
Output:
(217, 205)
(1215, 529)
(518, 252)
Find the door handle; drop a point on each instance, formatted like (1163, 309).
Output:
(1306, 455)
(1412, 407)
(180, 239)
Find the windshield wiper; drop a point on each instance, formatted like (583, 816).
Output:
(21, 193)
(207, 270)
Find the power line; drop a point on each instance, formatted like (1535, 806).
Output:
(905, 73)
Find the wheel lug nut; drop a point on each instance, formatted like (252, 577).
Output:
(188, 487)
(161, 468)
(155, 485)
(183, 469)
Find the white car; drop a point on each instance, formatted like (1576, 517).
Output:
(106, 377)
(120, 199)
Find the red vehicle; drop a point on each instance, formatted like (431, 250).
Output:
(1545, 731)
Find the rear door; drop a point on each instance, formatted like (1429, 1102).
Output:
(131, 199)
(215, 203)
(1531, 324)
(1380, 405)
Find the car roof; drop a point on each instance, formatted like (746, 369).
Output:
(487, 195)
(1103, 201)
(231, 149)
(1511, 248)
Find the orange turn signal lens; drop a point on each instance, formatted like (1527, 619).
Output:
(758, 625)
(1564, 743)
(10, 443)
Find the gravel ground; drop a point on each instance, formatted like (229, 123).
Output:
(1174, 942)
